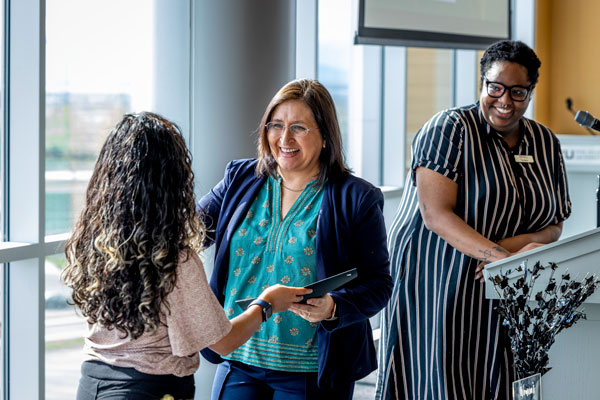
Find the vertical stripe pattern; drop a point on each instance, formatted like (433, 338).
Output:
(441, 338)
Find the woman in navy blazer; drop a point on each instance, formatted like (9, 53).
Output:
(300, 154)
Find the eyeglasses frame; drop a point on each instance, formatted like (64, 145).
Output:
(529, 89)
(287, 127)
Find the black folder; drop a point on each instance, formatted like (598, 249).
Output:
(320, 288)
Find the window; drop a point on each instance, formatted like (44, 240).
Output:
(99, 66)
(99, 59)
(335, 55)
(383, 95)
(391, 93)
(428, 89)
(65, 329)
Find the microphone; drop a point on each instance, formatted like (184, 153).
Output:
(585, 119)
(569, 103)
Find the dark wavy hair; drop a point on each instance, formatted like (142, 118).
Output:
(318, 99)
(513, 51)
(139, 217)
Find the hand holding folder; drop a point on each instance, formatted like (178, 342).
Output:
(320, 288)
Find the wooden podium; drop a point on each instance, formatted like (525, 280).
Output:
(575, 356)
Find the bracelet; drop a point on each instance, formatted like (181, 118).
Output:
(333, 317)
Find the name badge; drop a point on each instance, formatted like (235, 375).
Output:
(523, 158)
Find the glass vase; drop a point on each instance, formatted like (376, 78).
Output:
(529, 388)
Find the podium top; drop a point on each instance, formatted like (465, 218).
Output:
(579, 254)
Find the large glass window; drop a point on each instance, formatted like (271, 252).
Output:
(99, 58)
(335, 44)
(65, 329)
(429, 74)
(428, 84)
(99, 65)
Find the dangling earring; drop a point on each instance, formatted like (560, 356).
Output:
(324, 143)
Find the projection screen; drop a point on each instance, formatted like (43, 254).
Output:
(466, 24)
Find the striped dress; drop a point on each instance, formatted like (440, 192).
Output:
(441, 338)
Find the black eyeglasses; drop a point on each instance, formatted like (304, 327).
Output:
(516, 92)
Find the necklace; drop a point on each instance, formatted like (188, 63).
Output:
(290, 189)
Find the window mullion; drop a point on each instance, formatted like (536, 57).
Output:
(25, 197)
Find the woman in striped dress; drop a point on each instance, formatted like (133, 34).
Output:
(486, 183)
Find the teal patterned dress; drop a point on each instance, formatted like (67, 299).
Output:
(266, 250)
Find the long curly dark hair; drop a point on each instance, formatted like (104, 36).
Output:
(139, 217)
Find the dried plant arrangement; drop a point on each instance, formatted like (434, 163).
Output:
(534, 319)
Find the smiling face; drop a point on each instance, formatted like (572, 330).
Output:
(503, 113)
(294, 154)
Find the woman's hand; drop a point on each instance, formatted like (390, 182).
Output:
(481, 265)
(316, 309)
(479, 272)
(516, 244)
(244, 325)
(282, 297)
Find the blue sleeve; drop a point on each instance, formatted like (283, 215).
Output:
(210, 205)
(369, 253)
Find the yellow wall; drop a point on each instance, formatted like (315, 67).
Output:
(567, 40)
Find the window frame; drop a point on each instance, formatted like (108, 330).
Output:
(25, 247)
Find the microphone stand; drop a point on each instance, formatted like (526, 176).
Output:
(569, 102)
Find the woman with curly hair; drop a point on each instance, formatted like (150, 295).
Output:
(136, 276)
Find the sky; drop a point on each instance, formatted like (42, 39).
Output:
(100, 47)
(106, 46)
(335, 33)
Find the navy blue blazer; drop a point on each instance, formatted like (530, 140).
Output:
(350, 234)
